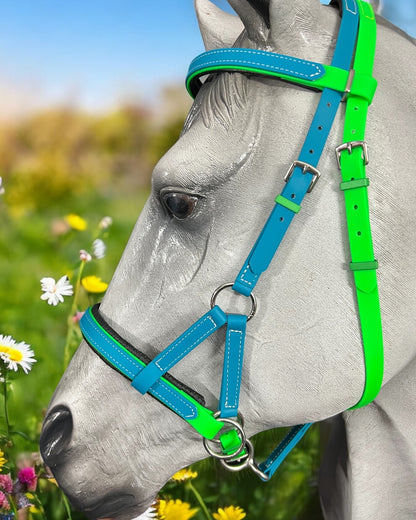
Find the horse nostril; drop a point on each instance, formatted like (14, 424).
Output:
(56, 434)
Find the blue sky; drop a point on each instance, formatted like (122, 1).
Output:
(95, 53)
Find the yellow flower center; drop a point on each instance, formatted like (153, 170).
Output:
(14, 354)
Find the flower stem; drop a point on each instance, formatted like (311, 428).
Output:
(199, 499)
(67, 506)
(71, 324)
(40, 507)
(6, 412)
(13, 505)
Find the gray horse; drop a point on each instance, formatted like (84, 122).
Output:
(304, 362)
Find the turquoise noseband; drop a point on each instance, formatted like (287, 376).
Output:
(223, 431)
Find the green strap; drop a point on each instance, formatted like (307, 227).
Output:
(361, 85)
(354, 185)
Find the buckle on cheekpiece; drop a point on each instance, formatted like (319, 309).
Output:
(306, 168)
(349, 146)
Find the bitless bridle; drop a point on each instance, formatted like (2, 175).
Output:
(223, 431)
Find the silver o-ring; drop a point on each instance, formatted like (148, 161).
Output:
(241, 434)
(226, 286)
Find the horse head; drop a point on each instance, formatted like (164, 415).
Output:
(110, 448)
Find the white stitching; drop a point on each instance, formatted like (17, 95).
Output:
(255, 276)
(348, 7)
(118, 363)
(263, 65)
(176, 343)
(178, 397)
(259, 53)
(238, 366)
(111, 344)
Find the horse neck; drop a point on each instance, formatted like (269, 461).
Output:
(369, 469)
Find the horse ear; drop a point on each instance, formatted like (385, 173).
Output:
(218, 28)
(255, 16)
(293, 22)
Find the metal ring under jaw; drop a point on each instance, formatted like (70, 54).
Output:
(236, 461)
(245, 461)
(237, 426)
(226, 286)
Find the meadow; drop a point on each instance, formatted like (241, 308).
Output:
(57, 166)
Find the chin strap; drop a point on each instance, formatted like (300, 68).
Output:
(223, 432)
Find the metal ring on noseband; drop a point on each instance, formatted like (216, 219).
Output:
(236, 426)
(230, 284)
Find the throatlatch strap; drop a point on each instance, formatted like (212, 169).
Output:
(274, 460)
(353, 157)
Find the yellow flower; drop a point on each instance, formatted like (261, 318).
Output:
(2, 460)
(175, 510)
(184, 474)
(76, 222)
(93, 284)
(230, 513)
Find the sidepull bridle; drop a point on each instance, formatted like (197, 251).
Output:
(223, 431)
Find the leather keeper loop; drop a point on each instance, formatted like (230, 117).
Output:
(363, 86)
(364, 266)
(286, 203)
(356, 183)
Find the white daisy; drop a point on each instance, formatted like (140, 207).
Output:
(55, 291)
(148, 514)
(105, 223)
(98, 248)
(2, 190)
(16, 354)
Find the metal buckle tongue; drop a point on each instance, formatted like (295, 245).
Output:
(241, 456)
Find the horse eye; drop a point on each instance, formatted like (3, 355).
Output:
(180, 205)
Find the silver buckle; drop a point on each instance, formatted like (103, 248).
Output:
(306, 168)
(349, 146)
(348, 85)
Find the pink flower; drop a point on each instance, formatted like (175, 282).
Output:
(6, 483)
(4, 503)
(84, 256)
(28, 476)
(77, 316)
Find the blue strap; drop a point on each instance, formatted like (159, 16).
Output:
(246, 59)
(295, 190)
(124, 362)
(233, 365)
(192, 337)
(262, 60)
(271, 464)
(300, 180)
